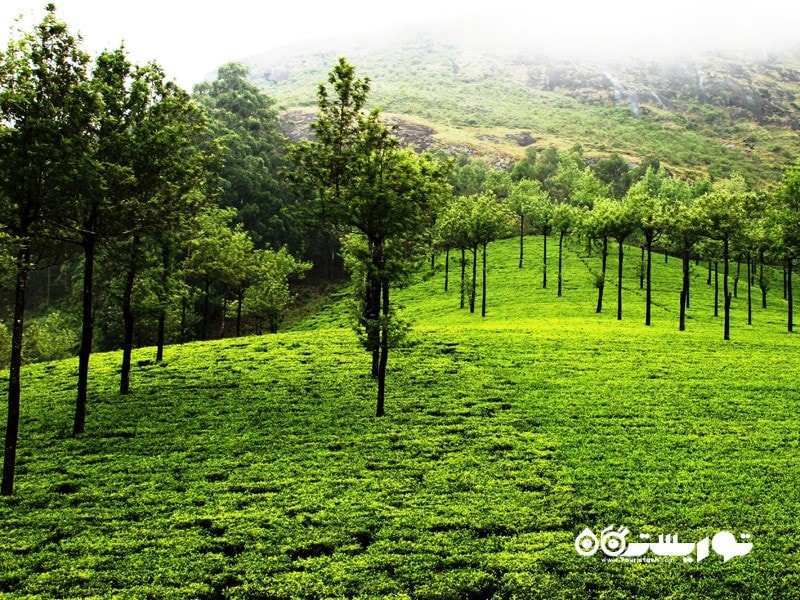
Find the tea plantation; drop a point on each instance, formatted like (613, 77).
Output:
(254, 467)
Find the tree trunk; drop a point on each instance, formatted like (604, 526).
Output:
(749, 290)
(384, 352)
(87, 330)
(602, 284)
(560, 261)
(736, 277)
(15, 369)
(649, 293)
(784, 284)
(789, 295)
(446, 269)
(128, 320)
(716, 289)
(483, 295)
(521, 237)
(544, 262)
(762, 283)
(619, 282)
(239, 302)
(162, 313)
(641, 270)
(474, 280)
(684, 292)
(463, 275)
(725, 268)
(709, 273)
(205, 309)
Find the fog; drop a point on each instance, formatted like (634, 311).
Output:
(191, 39)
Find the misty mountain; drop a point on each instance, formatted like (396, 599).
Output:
(463, 87)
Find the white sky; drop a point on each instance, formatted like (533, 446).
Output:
(192, 38)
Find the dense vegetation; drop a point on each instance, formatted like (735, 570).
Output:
(701, 115)
(254, 468)
(172, 217)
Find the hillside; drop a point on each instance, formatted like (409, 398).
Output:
(461, 88)
(253, 468)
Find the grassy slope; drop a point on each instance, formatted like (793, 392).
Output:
(489, 99)
(253, 468)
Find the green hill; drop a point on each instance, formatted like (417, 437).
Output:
(460, 88)
(253, 468)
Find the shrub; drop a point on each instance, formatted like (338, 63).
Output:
(51, 337)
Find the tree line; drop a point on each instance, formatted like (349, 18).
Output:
(179, 213)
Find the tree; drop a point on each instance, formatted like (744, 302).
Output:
(565, 219)
(266, 299)
(45, 113)
(520, 199)
(358, 178)
(622, 223)
(169, 163)
(683, 229)
(614, 172)
(540, 213)
(788, 195)
(598, 226)
(486, 221)
(218, 254)
(721, 213)
(245, 121)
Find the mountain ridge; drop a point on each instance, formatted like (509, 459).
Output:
(713, 113)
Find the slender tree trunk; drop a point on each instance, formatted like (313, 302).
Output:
(749, 291)
(463, 275)
(641, 270)
(373, 309)
(239, 303)
(736, 277)
(684, 292)
(521, 237)
(206, 302)
(128, 320)
(784, 284)
(726, 269)
(87, 330)
(716, 289)
(619, 282)
(789, 295)
(162, 313)
(709, 273)
(602, 285)
(666, 258)
(182, 335)
(15, 370)
(483, 295)
(544, 261)
(649, 293)
(384, 352)
(762, 283)
(474, 279)
(446, 269)
(560, 261)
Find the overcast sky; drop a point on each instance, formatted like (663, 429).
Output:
(190, 38)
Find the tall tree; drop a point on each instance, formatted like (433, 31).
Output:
(521, 196)
(566, 218)
(623, 223)
(169, 160)
(788, 195)
(722, 215)
(359, 179)
(45, 113)
(540, 213)
(245, 121)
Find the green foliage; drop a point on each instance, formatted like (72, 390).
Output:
(51, 337)
(253, 467)
(245, 122)
(5, 347)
